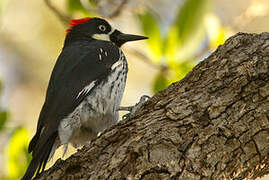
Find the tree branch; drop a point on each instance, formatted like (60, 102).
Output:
(213, 124)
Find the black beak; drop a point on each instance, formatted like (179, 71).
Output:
(120, 38)
(130, 37)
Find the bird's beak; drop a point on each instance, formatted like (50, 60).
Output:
(130, 37)
(120, 38)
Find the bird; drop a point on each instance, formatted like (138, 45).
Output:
(84, 91)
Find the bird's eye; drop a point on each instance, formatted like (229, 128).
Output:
(102, 28)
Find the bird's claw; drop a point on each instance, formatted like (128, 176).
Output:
(133, 109)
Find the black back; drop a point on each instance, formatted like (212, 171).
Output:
(76, 67)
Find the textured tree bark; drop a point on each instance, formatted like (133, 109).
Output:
(213, 124)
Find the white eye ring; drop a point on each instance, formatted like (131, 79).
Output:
(102, 28)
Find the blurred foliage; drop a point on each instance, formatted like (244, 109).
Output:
(186, 24)
(152, 29)
(177, 48)
(16, 153)
(161, 81)
(3, 119)
(16, 150)
(2, 5)
(216, 33)
(74, 5)
(77, 6)
(3, 114)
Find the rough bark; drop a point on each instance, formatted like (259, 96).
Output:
(213, 124)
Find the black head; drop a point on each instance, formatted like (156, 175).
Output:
(97, 29)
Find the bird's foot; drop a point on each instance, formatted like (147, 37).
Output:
(133, 109)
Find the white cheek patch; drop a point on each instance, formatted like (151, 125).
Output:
(103, 37)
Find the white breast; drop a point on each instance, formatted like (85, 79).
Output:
(99, 110)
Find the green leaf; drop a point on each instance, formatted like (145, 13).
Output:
(182, 69)
(163, 79)
(151, 29)
(190, 17)
(74, 5)
(3, 119)
(160, 82)
(215, 32)
(1, 86)
(179, 71)
(187, 24)
(77, 6)
(16, 152)
(3, 4)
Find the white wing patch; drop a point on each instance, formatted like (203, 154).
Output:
(86, 89)
(116, 64)
(119, 62)
(100, 57)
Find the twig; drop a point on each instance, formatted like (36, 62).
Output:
(63, 18)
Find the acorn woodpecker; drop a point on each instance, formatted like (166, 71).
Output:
(84, 91)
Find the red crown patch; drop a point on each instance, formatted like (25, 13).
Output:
(75, 22)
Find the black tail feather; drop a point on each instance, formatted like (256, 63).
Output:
(31, 169)
(33, 142)
(40, 159)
